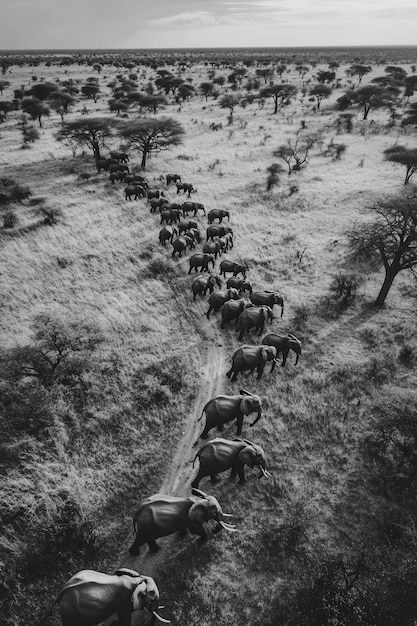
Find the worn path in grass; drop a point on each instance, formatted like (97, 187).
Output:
(214, 356)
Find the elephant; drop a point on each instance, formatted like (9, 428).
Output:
(235, 268)
(219, 455)
(180, 244)
(202, 284)
(218, 230)
(201, 260)
(137, 191)
(170, 215)
(232, 309)
(219, 214)
(194, 233)
(118, 167)
(185, 187)
(173, 178)
(158, 203)
(223, 409)
(226, 241)
(283, 345)
(250, 358)
(254, 317)
(121, 157)
(186, 225)
(212, 247)
(218, 298)
(167, 233)
(269, 298)
(239, 283)
(137, 179)
(154, 193)
(102, 164)
(162, 515)
(193, 207)
(116, 176)
(90, 597)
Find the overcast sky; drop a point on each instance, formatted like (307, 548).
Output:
(43, 24)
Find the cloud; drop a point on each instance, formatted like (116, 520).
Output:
(192, 18)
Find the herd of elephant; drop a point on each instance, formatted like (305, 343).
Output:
(89, 597)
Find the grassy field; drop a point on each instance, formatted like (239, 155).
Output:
(330, 539)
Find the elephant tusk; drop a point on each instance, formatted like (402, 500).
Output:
(228, 515)
(198, 492)
(161, 619)
(265, 473)
(228, 527)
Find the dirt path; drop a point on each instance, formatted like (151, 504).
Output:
(180, 473)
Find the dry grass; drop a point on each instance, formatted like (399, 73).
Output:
(102, 263)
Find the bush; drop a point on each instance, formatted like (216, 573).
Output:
(12, 192)
(300, 317)
(10, 219)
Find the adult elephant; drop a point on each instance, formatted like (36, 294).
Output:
(102, 164)
(232, 309)
(239, 283)
(185, 187)
(121, 157)
(218, 230)
(269, 298)
(167, 233)
(170, 215)
(180, 245)
(218, 298)
(119, 176)
(172, 178)
(212, 247)
(218, 214)
(162, 515)
(90, 597)
(226, 241)
(158, 204)
(194, 233)
(224, 409)
(186, 225)
(219, 455)
(193, 207)
(250, 358)
(254, 317)
(137, 191)
(154, 193)
(235, 268)
(118, 167)
(202, 284)
(138, 179)
(202, 261)
(283, 345)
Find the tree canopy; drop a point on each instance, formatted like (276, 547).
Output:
(403, 156)
(281, 94)
(390, 237)
(151, 136)
(92, 132)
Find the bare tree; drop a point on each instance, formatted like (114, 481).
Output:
(150, 136)
(295, 151)
(390, 238)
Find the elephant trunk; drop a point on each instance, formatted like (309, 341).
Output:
(296, 358)
(282, 309)
(257, 418)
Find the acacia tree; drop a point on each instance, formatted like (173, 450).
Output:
(60, 101)
(281, 94)
(359, 70)
(320, 92)
(372, 97)
(390, 238)
(151, 136)
(229, 101)
(403, 156)
(206, 89)
(92, 132)
(35, 108)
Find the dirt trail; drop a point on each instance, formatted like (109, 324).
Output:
(180, 473)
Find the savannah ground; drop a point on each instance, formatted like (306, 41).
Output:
(329, 539)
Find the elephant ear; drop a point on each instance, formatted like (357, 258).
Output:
(246, 405)
(198, 512)
(264, 354)
(247, 455)
(139, 596)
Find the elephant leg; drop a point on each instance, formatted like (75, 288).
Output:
(124, 615)
(197, 479)
(189, 271)
(233, 473)
(153, 546)
(242, 332)
(182, 533)
(234, 376)
(241, 473)
(208, 312)
(134, 548)
(260, 369)
(214, 478)
(284, 358)
(239, 425)
(196, 528)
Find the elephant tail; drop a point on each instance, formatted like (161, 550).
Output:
(203, 411)
(48, 614)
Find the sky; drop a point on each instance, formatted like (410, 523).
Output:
(80, 24)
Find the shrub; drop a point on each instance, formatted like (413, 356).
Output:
(10, 219)
(12, 192)
(300, 317)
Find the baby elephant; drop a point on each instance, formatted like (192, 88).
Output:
(219, 455)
